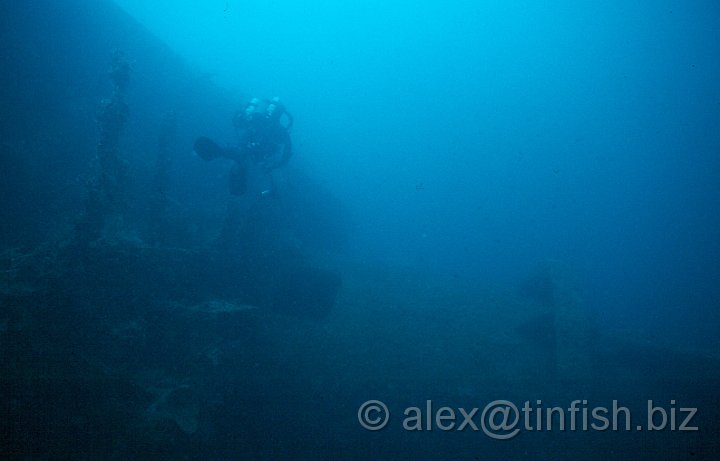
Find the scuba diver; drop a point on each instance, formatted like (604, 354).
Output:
(263, 129)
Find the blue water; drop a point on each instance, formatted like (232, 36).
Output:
(487, 201)
(489, 137)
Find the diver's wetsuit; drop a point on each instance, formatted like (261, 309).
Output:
(264, 145)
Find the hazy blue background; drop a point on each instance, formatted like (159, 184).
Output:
(486, 138)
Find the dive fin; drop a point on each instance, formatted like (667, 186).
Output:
(207, 149)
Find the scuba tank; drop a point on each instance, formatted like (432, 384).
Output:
(275, 110)
(244, 117)
(257, 110)
(251, 108)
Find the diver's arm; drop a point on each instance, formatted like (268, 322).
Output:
(273, 162)
(287, 150)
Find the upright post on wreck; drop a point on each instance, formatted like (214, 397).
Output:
(106, 188)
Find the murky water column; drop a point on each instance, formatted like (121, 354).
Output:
(161, 179)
